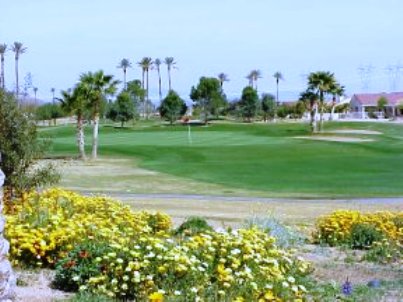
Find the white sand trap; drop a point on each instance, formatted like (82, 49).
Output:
(355, 131)
(343, 139)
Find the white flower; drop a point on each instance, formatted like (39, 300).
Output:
(235, 251)
(177, 293)
(193, 290)
(291, 279)
(76, 278)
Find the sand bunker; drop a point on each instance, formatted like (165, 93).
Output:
(355, 131)
(336, 138)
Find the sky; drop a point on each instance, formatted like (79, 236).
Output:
(355, 39)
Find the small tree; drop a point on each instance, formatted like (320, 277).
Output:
(208, 96)
(49, 112)
(249, 103)
(269, 107)
(20, 148)
(382, 103)
(123, 110)
(172, 107)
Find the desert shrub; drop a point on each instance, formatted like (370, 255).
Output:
(229, 266)
(44, 227)
(286, 237)
(335, 228)
(193, 225)
(384, 251)
(79, 265)
(362, 235)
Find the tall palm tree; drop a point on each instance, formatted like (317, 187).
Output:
(278, 76)
(321, 82)
(310, 99)
(157, 64)
(145, 64)
(74, 102)
(124, 64)
(253, 76)
(96, 87)
(52, 90)
(222, 77)
(3, 49)
(18, 50)
(35, 92)
(337, 91)
(170, 62)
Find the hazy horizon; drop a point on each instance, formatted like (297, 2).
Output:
(67, 38)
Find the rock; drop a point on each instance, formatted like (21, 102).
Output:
(7, 277)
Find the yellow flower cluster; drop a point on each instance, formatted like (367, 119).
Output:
(243, 265)
(335, 228)
(43, 227)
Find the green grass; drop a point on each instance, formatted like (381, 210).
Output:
(264, 157)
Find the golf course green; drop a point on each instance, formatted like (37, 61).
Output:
(359, 160)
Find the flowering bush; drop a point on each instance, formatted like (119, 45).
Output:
(101, 247)
(335, 228)
(214, 266)
(380, 232)
(44, 227)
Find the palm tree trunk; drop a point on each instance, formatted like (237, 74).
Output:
(277, 91)
(124, 78)
(80, 137)
(2, 72)
(169, 79)
(322, 105)
(16, 78)
(159, 85)
(147, 98)
(94, 153)
(313, 117)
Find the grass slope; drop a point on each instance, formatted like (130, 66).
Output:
(264, 157)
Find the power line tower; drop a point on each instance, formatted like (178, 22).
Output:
(365, 72)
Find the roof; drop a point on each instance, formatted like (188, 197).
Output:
(371, 99)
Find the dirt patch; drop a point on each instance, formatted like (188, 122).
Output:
(355, 131)
(344, 139)
(34, 286)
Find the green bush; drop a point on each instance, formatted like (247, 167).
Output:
(79, 265)
(364, 235)
(193, 225)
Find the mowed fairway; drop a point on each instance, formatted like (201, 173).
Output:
(260, 157)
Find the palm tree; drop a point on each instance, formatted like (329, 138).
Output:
(3, 49)
(157, 64)
(222, 77)
(310, 99)
(321, 82)
(18, 50)
(52, 90)
(278, 76)
(35, 92)
(253, 76)
(124, 64)
(337, 91)
(96, 87)
(145, 64)
(74, 102)
(170, 62)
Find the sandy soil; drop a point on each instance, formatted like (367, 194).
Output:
(344, 139)
(355, 131)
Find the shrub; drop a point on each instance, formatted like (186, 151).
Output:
(285, 236)
(193, 225)
(79, 265)
(335, 228)
(362, 235)
(44, 227)
(236, 266)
